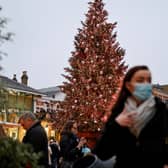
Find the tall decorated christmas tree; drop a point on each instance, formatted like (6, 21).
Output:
(95, 71)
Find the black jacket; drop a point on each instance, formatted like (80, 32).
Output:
(68, 146)
(150, 149)
(55, 151)
(36, 136)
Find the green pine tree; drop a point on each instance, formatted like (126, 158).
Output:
(14, 154)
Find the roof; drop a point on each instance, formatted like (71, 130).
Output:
(11, 84)
(54, 92)
(165, 88)
(161, 88)
(161, 91)
(50, 90)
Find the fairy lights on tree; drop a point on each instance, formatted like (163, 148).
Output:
(95, 71)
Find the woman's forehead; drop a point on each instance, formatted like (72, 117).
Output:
(142, 73)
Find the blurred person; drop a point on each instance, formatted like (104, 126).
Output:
(70, 144)
(36, 136)
(137, 130)
(55, 153)
(49, 156)
(85, 148)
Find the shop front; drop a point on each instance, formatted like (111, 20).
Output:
(11, 129)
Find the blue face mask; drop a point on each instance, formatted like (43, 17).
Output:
(142, 91)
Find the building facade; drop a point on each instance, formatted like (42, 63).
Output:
(15, 99)
(161, 91)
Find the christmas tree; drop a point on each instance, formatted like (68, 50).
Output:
(95, 71)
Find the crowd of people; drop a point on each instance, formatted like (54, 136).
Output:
(55, 155)
(136, 133)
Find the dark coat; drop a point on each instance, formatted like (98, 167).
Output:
(150, 149)
(36, 136)
(68, 146)
(55, 152)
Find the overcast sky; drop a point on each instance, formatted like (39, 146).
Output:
(45, 29)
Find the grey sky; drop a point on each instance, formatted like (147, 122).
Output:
(45, 29)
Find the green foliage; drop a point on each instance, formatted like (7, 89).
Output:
(14, 154)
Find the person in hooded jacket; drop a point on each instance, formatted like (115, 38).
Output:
(137, 130)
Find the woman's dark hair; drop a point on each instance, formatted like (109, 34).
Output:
(124, 92)
(68, 126)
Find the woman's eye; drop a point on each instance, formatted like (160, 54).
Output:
(143, 80)
(140, 81)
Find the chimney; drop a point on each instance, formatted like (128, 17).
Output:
(24, 78)
(14, 77)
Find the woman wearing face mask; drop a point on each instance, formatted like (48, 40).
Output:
(137, 130)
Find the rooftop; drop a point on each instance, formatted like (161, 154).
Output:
(12, 84)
